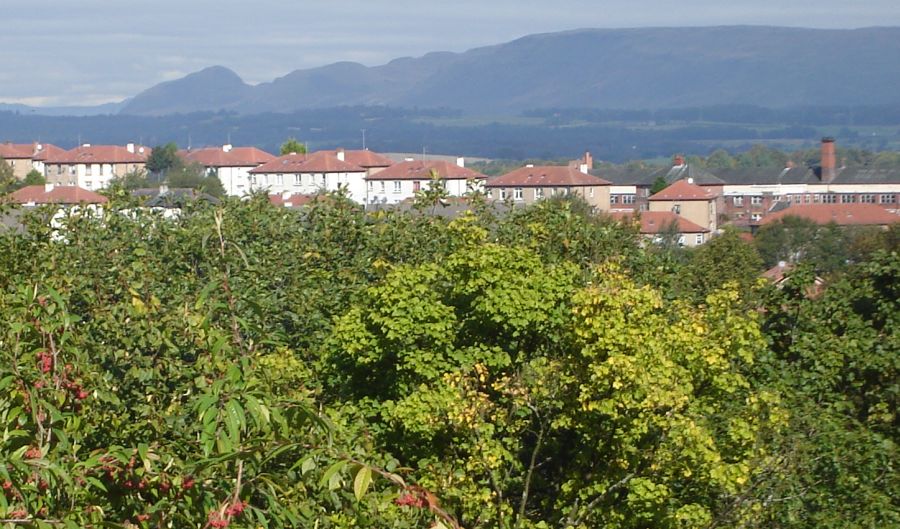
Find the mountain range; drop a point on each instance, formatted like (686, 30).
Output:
(643, 68)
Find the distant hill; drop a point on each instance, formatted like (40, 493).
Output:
(644, 68)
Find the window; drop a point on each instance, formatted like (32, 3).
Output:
(417, 186)
(806, 199)
(738, 201)
(888, 199)
(613, 199)
(681, 240)
(371, 186)
(756, 217)
(817, 198)
(12, 163)
(279, 179)
(381, 187)
(756, 201)
(88, 184)
(59, 169)
(796, 199)
(867, 199)
(699, 239)
(848, 199)
(628, 199)
(829, 198)
(591, 193)
(397, 185)
(517, 193)
(538, 193)
(676, 209)
(88, 170)
(298, 180)
(502, 194)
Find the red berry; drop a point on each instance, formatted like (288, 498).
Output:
(188, 483)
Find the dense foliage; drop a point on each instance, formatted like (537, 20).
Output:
(244, 365)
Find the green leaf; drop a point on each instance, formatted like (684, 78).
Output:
(361, 482)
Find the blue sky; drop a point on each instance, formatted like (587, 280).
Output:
(64, 52)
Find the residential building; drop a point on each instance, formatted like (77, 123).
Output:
(290, 200)
(18, 156)
(658, 225)
(531, 183)
(231, 165)
(689, 200)
(402, 181)
(310, 174)
(95, 166)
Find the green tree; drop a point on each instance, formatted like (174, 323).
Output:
(726, 258)
(658, 185)
(163, 158)
(7, 177)
(720, 159)
(291, 145)
(34, 178)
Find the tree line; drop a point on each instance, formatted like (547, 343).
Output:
(244, 365)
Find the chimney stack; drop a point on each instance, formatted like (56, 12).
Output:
(48, 187)
(588, 160)
(678, 160)
(227, 147)
(130, 148)
(583, 168)
(460, 161)
(829, 160)
(340, 154)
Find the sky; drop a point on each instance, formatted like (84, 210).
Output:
(87, 52)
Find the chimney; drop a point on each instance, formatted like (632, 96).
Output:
(829, 160)
(163, 189)
(340, 154)
(678, 160)
(460, 161)
(408, 159)
(130, 148)
(789, 164)
(583, 168)
(227, 147)
(588, 160)
(85, 144)
(48, 187)
(530, 165)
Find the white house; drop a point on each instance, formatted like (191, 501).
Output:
(403, 180)
(309, 174)
(231, 165)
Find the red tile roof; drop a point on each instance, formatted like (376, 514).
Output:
(684, 190)
(102, 154)
(38, 194)
(842, 214)
(653, 222)
(421, 170)
(236, 157)
(545, 176)
(317, 162)
(48, 151)
(364, 159)
(10, 151)
(291, 200)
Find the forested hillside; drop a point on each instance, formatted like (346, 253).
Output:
(251, 366)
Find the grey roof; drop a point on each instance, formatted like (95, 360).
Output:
(867, 175)
(762, 175)
(172, 198)
(627, 176)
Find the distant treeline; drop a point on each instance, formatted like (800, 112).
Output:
(883, 115)
(615, 136)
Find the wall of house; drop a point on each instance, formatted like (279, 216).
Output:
(394, 191)
(88, 176)
(597, 196)
(235, 180)
(700, 212)
(20, 166)
(311, 183)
